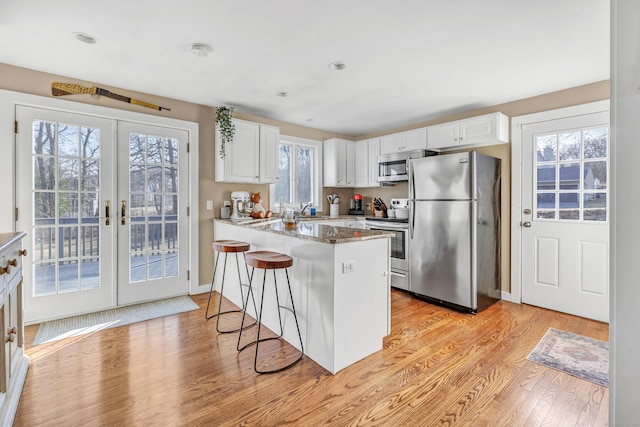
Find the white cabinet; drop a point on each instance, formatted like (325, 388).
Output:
(362, 163)
(339, 163)
(415, 139)
(269, 154)
(366, 163)
(252, 156)
(13, 361)
(374, 152)
(488, 129)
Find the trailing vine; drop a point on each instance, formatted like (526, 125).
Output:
(225, 126)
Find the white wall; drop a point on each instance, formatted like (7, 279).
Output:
(624, 366)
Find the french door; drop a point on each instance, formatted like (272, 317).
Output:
(101, 202)
(565, 215)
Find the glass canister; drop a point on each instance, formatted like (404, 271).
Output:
(290, 217)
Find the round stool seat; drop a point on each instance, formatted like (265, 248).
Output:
(230, 246)
(268, 260)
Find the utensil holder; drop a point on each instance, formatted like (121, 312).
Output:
(334, 210)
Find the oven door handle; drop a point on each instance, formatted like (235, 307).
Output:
(388, 227)
(393, 273)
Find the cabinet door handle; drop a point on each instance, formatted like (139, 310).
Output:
(107, 204)
(22, 252)
(13, 330)
(5, 270)
(13, 262)
(10, 338)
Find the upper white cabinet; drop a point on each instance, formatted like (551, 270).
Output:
(488, 129)
(252, 156)
(415, 139)
(366, 163)
(269, 154)
(339, 163)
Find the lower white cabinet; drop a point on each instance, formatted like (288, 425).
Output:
(252, 156)
(13, 361)
(488, 129)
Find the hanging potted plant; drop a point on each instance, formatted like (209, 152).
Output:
(225, 126)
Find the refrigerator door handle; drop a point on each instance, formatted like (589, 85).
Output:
(412, 195)
(412, 218)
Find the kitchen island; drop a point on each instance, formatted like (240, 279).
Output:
(339, 280)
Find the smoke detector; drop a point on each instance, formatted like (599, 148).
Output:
(200, 49)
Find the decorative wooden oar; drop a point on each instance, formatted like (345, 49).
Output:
(61, 89)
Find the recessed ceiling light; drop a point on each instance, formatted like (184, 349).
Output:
(282, 94)
(200, 49)
(309, 119)
(85, 38)
(338, 65)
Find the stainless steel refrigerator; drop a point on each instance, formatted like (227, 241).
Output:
(454, 229)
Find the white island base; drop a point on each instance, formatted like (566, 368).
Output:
(341, 289)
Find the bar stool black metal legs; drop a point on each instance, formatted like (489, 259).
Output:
(230, 246)
(270, 261)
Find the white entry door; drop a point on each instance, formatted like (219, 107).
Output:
(104, 203)
(565, 215)
(65, 181)
(153, 235)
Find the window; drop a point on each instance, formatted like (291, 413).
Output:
(571, 175)
(300, 173)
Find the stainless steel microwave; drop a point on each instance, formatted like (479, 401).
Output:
(394, 167)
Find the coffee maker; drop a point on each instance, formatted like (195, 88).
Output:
(241, 205)
(356, 205)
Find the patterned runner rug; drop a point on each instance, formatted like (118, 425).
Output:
(88, 323)
(583, 357)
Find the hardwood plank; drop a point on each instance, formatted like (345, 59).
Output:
(437, 367)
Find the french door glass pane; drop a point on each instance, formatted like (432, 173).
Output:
(66, 184)
(153, 207)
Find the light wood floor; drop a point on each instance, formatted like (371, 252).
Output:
(438, 367)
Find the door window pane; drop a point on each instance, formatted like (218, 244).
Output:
(66, 178)
(153, 207)
(546, 177)
(580, 186)
(569, 146)
(569, 176)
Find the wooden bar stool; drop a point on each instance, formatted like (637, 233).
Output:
(229, 246)
(267, 260)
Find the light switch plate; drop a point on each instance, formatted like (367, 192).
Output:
(348, 267)
(209, 205)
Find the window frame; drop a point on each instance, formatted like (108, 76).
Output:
(295, 142)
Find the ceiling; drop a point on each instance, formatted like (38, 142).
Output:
(407, 61)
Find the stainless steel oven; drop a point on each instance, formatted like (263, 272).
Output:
(399, 248)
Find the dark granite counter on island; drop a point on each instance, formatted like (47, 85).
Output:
(340, 283)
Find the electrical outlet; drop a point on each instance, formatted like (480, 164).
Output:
(209, 205)
(349, 267)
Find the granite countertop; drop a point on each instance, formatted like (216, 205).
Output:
(310, 230)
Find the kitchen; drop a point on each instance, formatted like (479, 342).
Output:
(220, 192)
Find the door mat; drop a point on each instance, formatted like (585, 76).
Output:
(580, 356)
(93, 322)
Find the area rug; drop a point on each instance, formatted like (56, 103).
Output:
(88, 323)
(577, 355)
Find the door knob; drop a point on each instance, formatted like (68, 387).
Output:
(526, 224)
